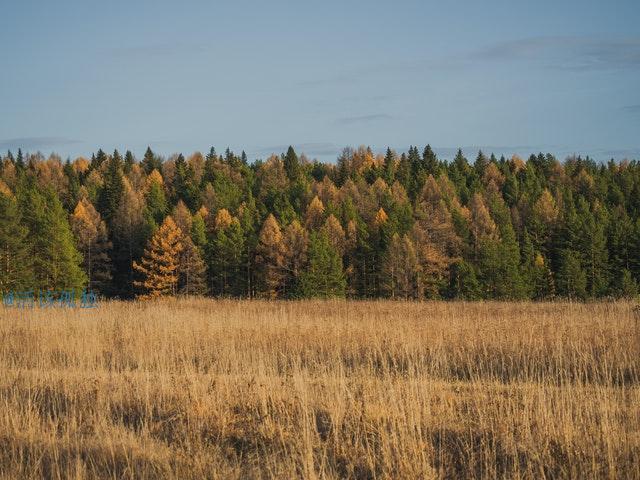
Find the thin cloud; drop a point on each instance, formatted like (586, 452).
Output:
(34, 143)
(566, 52)
(635, 109)
(363, 119)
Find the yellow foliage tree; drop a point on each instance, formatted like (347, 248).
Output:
(159, 265)
(270, 258)
(223, 219)
(335, 233)
(315, 214)
(93, 242)
(380, 218)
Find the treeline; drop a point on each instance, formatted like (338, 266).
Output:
(397, 225)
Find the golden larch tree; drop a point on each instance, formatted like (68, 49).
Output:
(159, 265)
(93, 242)
(335, 233)
(401, 269)
(191, 266)
(315, 214)
(270, 258)
(296, 243)
(482, 225)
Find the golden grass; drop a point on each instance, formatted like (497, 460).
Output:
(238, 389)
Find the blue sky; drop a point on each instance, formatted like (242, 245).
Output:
(507, 76)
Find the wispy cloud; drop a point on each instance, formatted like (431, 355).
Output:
(363, 119)
(634, 109)
(34, 143)
(566, 52)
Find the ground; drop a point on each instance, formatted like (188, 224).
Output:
(198, 388)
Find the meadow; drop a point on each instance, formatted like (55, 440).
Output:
(200, 388)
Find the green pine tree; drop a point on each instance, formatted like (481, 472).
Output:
(324, 276)
(112, 189)
(291, 164)
(16, 262)
(571, 278)
(56, 261)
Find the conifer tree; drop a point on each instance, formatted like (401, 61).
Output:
(184, 185)
(296, 243)
(593, 247)
(499, 260)
(98, 159)
(16, 262)
(335, 233)
(20, 165)
(270, 259)
(192, 270)
(156, 202)
(56, 261)
(199, 230)
(160, 264)
(571, 279)
(463, 283)
(93, 242)
(543, 219)
(429, 162)
(324, 276)
(291, 164)
(401, 269)
(73, 186)
(625, 285)
(388, 167)
(182, 217)
(315, 214)
(150, 162)
(112, 189)
(129, 162)
(226, 256)
(129, 234)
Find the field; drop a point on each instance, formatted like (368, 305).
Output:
(231, 389)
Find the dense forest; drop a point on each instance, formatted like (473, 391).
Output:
(400, 226)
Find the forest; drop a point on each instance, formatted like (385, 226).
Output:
(400, 225)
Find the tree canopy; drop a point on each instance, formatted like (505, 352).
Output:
(390, 224)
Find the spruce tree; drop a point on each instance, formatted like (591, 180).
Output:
(16, 261)
(184, 185)
(226, 253)
(150, 162)
(388, 167)
(463, 282)
(20, 165)
(112, 189)
(129, 161)
(324, 275)
(430, 161)
(291, 164)
(56, 261)
(571, 278)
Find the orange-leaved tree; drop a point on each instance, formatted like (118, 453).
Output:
(159, 265)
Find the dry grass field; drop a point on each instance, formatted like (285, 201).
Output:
(230, 389)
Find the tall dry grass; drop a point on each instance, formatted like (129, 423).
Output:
(231, 389)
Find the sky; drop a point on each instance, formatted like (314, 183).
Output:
(506, 77)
